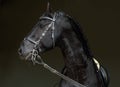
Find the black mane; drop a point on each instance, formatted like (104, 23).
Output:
(78, 30)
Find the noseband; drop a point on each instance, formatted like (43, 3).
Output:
(36, 58)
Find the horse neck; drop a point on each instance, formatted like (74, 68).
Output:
(72, 49)
(79, 66)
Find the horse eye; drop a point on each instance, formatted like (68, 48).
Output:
(41, 25)
(44, 22)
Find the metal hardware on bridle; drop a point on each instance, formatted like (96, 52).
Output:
(34, 52)
(36, 58)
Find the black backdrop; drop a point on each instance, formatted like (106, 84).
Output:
(100, 20)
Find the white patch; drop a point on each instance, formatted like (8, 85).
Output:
(97, 63)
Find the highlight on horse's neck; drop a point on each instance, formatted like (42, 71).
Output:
(72, 48)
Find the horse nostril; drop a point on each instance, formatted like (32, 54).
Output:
(20, 51)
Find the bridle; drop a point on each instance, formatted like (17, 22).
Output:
(34, 52)
(36, 58)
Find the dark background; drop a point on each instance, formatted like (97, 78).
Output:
(100, 20)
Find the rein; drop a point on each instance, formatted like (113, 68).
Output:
(36, 58)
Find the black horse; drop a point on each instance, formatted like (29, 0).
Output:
(60, 30)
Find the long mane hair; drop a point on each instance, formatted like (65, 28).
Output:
(79, 32)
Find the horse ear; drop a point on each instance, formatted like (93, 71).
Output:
(48, 7)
